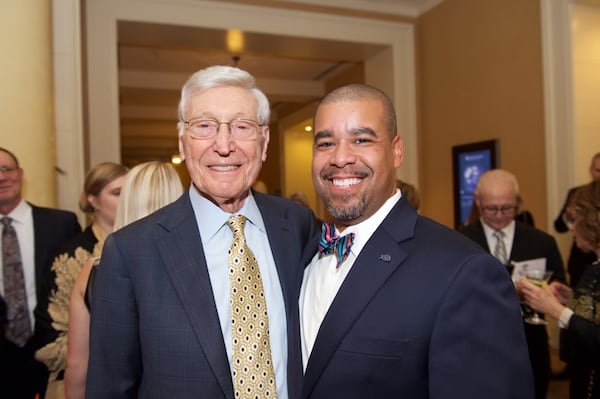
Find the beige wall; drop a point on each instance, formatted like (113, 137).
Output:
(27, 122)
(480, 78)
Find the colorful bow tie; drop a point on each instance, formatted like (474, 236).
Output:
(330, 244)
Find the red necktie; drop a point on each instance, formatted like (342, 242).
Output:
(19, 326)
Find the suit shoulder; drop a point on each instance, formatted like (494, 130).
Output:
(471, 229)
(533, 232)
(54, 213)
(446, 237)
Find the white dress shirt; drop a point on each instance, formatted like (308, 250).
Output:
(216, 239)
(22, 221)
(322, 279)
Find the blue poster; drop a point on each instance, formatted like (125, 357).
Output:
(470, 166)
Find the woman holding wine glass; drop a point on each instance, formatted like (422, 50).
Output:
(577, 310)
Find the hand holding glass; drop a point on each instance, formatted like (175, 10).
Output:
(539, 278)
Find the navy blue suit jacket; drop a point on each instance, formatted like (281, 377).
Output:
(155, 331)
(424, 313)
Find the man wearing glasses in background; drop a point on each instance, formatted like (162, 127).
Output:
(509, 240)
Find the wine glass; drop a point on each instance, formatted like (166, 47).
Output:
(539, 278)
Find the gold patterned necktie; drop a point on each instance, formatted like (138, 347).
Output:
(18, 329)
(500, 250)
(253, 374)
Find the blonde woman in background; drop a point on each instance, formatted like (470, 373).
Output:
(99, 199)
(148, 187)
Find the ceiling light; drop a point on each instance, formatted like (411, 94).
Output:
(176, 159)
(235, 40)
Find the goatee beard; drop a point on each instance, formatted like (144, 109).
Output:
(348, 210)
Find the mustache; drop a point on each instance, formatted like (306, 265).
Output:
(332, 172)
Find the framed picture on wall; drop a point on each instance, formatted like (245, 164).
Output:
(469, 161)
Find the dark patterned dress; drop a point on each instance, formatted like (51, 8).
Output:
(580, 342)
(52, 317)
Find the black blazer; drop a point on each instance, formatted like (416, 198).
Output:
(52, 228)
(528, 243)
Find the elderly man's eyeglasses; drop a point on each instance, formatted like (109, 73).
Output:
(7, 169)
(492, 210)
(207, 128)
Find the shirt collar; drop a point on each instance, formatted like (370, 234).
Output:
(210, 218)
(508, 230)
(19, 214)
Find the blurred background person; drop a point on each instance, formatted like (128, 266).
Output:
(497, 231)
(101, 190)
(410, 192)
(40, 233)
(300, 198)
(147, 187)
(578, 259)
(31, 236)
(578, 311)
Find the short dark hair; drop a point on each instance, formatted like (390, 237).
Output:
(362, 92)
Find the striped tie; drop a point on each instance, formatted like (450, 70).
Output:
(500, 250)
(330, 244)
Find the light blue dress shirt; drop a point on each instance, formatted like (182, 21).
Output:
(216, 239)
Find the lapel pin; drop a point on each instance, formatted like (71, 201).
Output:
(385, 257)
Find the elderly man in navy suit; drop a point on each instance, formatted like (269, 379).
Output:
(395, 305)
(164, 316)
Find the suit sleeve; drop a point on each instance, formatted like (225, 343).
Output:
(582, 342)
(115, 368)
(478, 347)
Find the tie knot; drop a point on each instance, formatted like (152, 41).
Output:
(237, 223)
(6, 221)
(499, 234)
(330, 243)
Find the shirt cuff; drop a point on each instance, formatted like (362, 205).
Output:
(565, 317)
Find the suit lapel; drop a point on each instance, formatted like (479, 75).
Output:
(183, 258)
(378, 260)
(278, 232)
(41, 230)
(518, 250)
